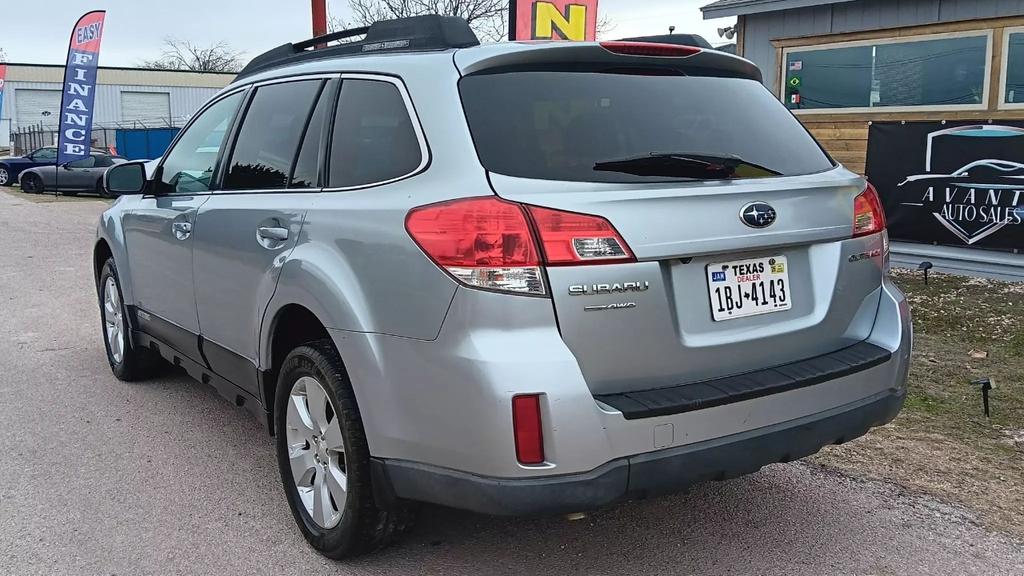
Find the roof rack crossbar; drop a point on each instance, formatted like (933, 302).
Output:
(332, 37)
(429, 32)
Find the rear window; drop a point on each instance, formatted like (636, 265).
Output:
(605, 127)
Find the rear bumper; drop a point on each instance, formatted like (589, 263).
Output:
(639, 476)
(438, 413)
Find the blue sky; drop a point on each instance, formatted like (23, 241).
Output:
(135, 28)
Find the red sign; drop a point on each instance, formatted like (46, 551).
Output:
(574, 20)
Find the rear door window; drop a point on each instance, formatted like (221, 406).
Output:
(268, 140)
(634, 127)
(374, 137)
(307, 165)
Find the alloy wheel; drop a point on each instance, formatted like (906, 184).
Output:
(113, 320)
(4, 176)
(316, 451)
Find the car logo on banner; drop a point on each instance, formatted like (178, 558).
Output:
(758, 215)
(975, 197)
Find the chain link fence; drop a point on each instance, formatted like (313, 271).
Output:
(25, 139)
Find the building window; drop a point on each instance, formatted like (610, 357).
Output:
(934, 72)
(1013, 68)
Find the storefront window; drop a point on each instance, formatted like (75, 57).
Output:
(1015, 69)
(908, 73)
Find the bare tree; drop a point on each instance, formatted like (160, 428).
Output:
(489, 18)
(3, 55)
(184, 55)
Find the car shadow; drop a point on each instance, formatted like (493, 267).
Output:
(786, 519)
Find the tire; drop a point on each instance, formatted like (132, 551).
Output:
(313, 376)
(31, 184)
(101, 191)
(127, 362)
(5, 176)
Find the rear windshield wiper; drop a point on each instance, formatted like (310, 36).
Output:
(696, 166)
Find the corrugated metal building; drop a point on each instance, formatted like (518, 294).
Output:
(125, 97)
(846, 67)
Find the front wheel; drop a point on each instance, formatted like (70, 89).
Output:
(126, 361)
(31, 184)
(324, 458)
(5, 176)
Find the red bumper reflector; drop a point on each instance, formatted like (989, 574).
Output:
(528, 430)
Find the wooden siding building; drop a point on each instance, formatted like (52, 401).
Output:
(841, 65)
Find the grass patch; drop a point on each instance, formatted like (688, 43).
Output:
(942, 444)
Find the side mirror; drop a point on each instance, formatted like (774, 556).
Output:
(127, 178)
(66, 166)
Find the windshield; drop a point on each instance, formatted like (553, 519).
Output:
(595, 127)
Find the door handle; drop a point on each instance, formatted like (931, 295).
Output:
(182, 230)
(272, 233)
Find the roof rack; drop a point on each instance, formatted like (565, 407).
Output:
(415, 34)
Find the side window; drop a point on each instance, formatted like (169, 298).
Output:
(87, 162)
(189, 166)
(307, 166)
(374, 139)
(45, 155)
(104, 161)
(269, 138)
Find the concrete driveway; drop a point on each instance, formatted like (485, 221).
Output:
(102, 477)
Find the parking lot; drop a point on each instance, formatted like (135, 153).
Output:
(102, 477)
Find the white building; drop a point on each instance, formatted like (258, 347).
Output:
(125, 97)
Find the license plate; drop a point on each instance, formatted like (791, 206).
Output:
(745, 288)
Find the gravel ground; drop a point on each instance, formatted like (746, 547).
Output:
(102, 477)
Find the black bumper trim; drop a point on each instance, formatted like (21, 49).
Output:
(721, 391)
(640, 476)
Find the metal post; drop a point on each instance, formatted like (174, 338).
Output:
(512, 10)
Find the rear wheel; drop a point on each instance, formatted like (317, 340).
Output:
(31, 184)
(324, 458)
(101, 191)
(126, 361)
(5, 176)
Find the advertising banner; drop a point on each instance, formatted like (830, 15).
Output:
(953, 183)
(76, 106)
(574, 20)
(3, 76)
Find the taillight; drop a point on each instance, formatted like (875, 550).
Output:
(489, 242)
(482, 242)
(569, 238)
(868, 214)
(650, 49)
(527, 429)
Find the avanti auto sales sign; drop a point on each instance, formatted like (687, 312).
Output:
(955, 183)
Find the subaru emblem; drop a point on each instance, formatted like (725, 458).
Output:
(758, 215)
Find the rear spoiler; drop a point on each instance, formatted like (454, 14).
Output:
(594, 56)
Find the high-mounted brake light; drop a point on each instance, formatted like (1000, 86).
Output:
(528, 429)
(489, 243)
(868, 214)
(650, 49)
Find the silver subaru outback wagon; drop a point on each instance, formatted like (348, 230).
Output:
(518, 279)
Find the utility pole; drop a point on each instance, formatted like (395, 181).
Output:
(319, 17)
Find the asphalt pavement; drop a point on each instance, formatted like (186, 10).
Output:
(164, 477)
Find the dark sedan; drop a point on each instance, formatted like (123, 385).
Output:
(12, 166)
(85, 175)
